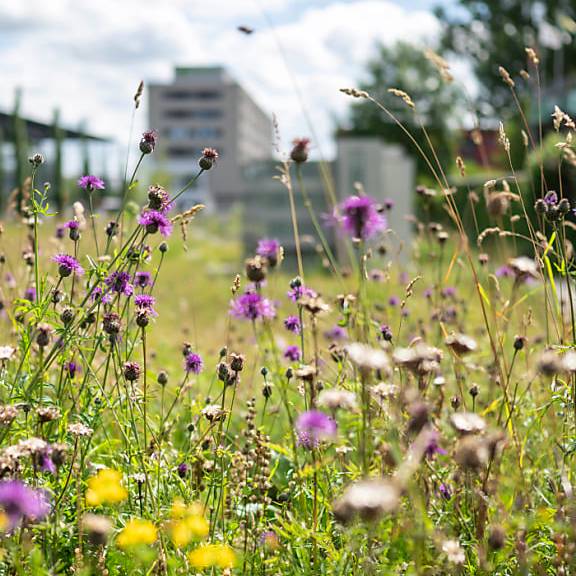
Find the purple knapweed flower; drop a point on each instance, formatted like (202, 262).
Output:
(145, 302)
(98, 295)
(428, 293)
(336, 333)
(448, 292)
(292, 353)
(269, 249)
(314, 426)
(183, 469)
(360, 217)
(386, 332)
(60, 231)
(71, 367)
(193, 363)
(20, 502)
(393, 301)
(388, 204)
(148, 141)
(432, 446)
(504, 272)
(252, 306)
(90, 183)
(120, 282)
(30, 294)
(143, 279)
(296, 292)
(68, 265)
(445, 491)
(154, 221)
(551, 198)
(292, 324)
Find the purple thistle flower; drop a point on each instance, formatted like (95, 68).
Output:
(99, 295)
(296, 292)
(154, 221)
(292, 324)
(68, 265)
(71, 367)
(336, 333)
(21, 502)
(72, 225)
(30, 294)
(445, 491)
(120, 282)
(45, 461)
(389, 203)
(251, 306)
(60, 232)
(148, 141)
(269, 249)
(90, 183)
(432, 447)
(386, 332)
(183, 469)
(292, 353)
(393, 301)
(504, 272)
(428, 293)
(314, 426)
(145, 302)
(143, 279)
(193, 363)
(360, 217)
(448, 292)
(551, 198)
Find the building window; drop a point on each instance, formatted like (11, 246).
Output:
(192, 94)
(178, 133)
(183, 152)
(180, 114)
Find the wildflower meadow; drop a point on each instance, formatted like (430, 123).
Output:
(385, 411)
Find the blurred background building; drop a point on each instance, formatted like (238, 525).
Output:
(205, 106)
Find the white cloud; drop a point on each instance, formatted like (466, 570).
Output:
(88, 57)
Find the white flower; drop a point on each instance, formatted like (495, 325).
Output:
(6, 352)
(454, 552)
(335, 399)
(468, 422)
(366, 357)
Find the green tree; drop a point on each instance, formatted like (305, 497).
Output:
(405, 67)
(493, 33)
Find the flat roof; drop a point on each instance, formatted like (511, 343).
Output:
(41, 131)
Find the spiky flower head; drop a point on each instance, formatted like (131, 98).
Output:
(361, 218)
(154, 221)
(91, 183)
(68, 265)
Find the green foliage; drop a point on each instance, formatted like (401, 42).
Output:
(493, 33)
(404, 67)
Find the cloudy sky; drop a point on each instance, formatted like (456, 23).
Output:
(88, 57)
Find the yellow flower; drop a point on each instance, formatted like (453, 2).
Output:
(4, 522)
(189, 523)
(105, 488)
(208, 555)
(136, 532)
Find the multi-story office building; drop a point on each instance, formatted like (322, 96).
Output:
(203, 107)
